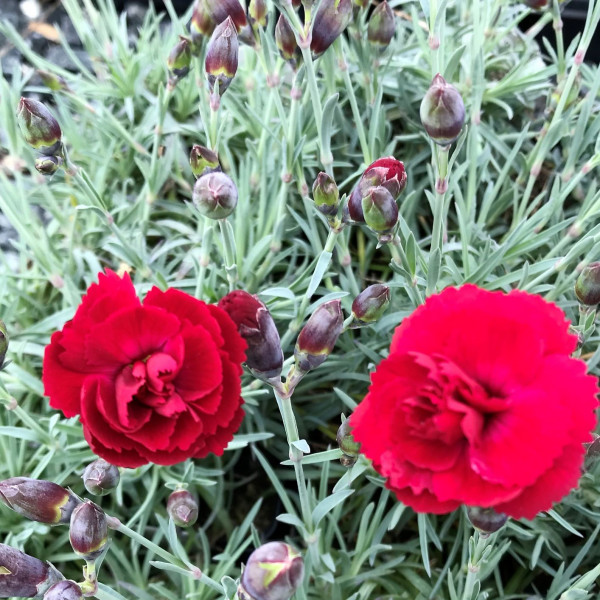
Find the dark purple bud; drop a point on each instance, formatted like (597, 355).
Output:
(51, 81)
(201, 24)
(37, 124)
(179, 60)
(203, 161)
(257, 11)
(285, 39)
(371, 303)
(88, 532)
(220, 10)
(345, 440)
(100, 477)
(592, 453)
(221, 60)
(587, 286)
(382, 25)
(64, 590)
(536, 4)
(442, 111)
(381, 212)
(487, 520)
(326, 194)
(255, 324)
(274, 571)
(24, 576)
(47, 165)
(182, 508)
(333, 16)
(3, 342)
(318, 337)
(38, 500)
(215, 195)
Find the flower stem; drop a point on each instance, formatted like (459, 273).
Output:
(229, 248)
(478, 544)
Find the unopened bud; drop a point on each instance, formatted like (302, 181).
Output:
(39, 127)
(274, 571)
(587, 286)
(215, 195)
(326, 194)
(257, 11)
(203, 161)
(47, 165)
(382, 25)
(371, 303)
(179, 60)
(88, 531)
(442, 111)
(221, 60)
(318, 337)
(64, 590)
(536, 4)
(38, 500)
(381, 212)
(182, 508)
(346, 442)
(487, 520)
(24, 576)
(592, 454)
(255, 324)
(221, 10)
(100, 477)
(3, 342)
(285, 39)
(51, 81)
(201, 24)
(332, 17)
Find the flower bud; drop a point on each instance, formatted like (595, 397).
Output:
(318, 337)
(221, 10)
(332, 17)
(215, 195)
(255, 324)
(182, 508)
(38, 500)
(381, 212)
(387, 172)
(203, 161)
(382, 25)
(100, 477)
(179, 60)
(536, 4)
(201, 23)
(274, 571)
(37, 124)
(51, 81)
(285, 39)
(47, 165)
(592, 454)
(257, 11)
(371, 303)
(361, 3)
(3, 342)
(587, 286)
(221, 60)
(64, 590)
(442, 111)
(24, 576)
(88, 532)
(487, 520)
(346, 442)
(326, 194)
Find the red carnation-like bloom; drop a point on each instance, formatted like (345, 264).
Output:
(157, 381)
(479, 403)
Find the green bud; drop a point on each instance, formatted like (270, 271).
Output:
(346, 442)
(221, 60)
(380, 212)
(203, 161)
(486, 520)
(38, 500)
(285, 39)
(442, 111)
(182, 508)
(51, 81)
(24, 576)
(3, 342)
(39, 127)
(64, 590)
(587, 286)
(274, 571)
(382, 25)
(179, 60)
(100, 477)
(332, 17)
(47, 165)
(88, 531)
(326, 194)
(215, 195)
(371, 303)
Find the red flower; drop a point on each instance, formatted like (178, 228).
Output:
(154, 382)
(479, 403)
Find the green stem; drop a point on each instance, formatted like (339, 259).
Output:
(229, 249)
(207, 235)
(164, 97)
(441, 187)
(481, 542)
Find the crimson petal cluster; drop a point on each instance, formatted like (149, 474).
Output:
(157, 381)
